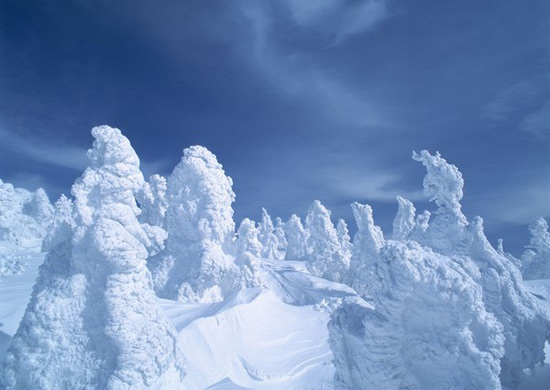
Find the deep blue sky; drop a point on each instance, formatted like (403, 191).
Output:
(299, 99)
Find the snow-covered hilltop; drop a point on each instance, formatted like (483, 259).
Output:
(149, 285)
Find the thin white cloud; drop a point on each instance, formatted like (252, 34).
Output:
(538, 123)
(66, 156)
(510, 100)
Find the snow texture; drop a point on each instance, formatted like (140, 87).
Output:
(535, 262)
(429, 328)
(296, 237)
(93, 320)
(344, 238)
(279, 231)
(325, 256)
(62, 224)
(404, 222)
(153, 201)
(200, 226)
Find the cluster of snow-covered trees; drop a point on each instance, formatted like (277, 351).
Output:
(445, 309)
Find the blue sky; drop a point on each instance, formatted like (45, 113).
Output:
(299, 99)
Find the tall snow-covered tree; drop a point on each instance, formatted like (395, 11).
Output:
(535, 261)
(526, 326)
(367, 242)
(325, 256)
(93, 320)
(297, 238)
(62, 220)
(404, 222)
(279, 231)
(343, 237)
(248, 255)
(200, 226)
(268, 239)
(428, 328)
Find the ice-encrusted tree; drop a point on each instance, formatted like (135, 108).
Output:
(525, 324)
(247, 261)
(268, 239)
(93, 320)
(343, 237)
(153, 202)
(367, 242)
(39, 208)
(535, 262)
(296, 237)
(279, 231)
(428, 328)
(200, 226)
(325, 256)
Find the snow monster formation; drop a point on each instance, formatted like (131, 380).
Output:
(325, 258)
(269, 240)
(248, 257)
(451, 296)
(535, 262)
(93, 321)
(24, 216)
(199, 220)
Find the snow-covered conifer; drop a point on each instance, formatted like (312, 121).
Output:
(325, 256)
(62, 221)
(536, 259)
(428, 328)
(200, 226)
(404, 221)
(296, 237)
(153, 202)
(367, 242)
(343, 237)
(268, 239)
(93, 320)
(279, 231)
(248, 256)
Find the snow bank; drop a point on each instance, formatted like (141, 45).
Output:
(93, 320)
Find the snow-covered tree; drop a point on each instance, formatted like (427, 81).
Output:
(404, 222)
(279, 231)
(248, 255)
(24, 215)
(93, 320)
(62, 223)
(200, 226)
(367, 242)
(428, 328)
(536, 259)
(268, 239)
(526, 326)
(296, 237)
(343, 237)
(325, 256)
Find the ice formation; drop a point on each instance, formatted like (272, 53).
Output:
(429, 328)
(325, 256)
(93, 320)
(24, 215)
(296, 237)
(200, 226)
(268, 239)
(404, 222)
(535, 262)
